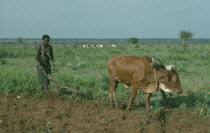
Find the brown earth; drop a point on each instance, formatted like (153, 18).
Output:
(51, 113)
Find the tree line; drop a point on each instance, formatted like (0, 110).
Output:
(183, 35)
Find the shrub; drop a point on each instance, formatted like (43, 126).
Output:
(3, 61)
(133, 40)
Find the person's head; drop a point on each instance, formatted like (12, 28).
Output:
(46, 39)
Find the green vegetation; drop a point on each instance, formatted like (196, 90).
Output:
(133, 40)
(184, 36)
(85, 68)
(20, 41)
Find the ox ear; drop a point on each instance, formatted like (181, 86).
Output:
(169, 67)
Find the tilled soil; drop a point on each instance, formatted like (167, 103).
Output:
(51, 113)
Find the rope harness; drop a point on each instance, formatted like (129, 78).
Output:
(156, 81)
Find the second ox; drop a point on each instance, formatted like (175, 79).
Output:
(141, 73)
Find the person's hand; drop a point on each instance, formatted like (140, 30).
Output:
(40, 68)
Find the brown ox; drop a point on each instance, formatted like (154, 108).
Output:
(142, 74)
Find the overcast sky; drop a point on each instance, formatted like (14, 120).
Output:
(104, 18)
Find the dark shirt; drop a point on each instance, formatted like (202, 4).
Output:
(44, 55)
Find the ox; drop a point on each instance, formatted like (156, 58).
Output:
(100, 46)
(141, 73)
(114, 46)
(93, 46)
(82, 46)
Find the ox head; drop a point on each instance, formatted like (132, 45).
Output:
(170, 80)
(168, 77)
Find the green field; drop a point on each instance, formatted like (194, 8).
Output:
(85, 68)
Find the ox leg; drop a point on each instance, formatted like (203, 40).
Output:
(148, 95)
(113, 86)
(132, 97)
(163, 94)
(138, 97)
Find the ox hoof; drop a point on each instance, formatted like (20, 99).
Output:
(111, 107)
(148, 107)
(128, 109)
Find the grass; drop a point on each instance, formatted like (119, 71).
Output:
(85, 68)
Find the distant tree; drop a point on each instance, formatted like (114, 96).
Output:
(184, 35)
(20, 41)
(133, 40)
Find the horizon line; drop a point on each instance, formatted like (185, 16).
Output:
(96, 38)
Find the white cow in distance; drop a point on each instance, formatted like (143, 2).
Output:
(114, 46)
(99, 46)
(82, 46)
(93, 46)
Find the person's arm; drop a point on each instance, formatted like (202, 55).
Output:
(38, 54)
(51, 54)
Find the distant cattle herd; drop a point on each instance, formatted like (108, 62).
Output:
(95, 46)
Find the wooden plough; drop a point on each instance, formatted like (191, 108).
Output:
(58, 86)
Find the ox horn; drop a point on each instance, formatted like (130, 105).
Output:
(175, 64)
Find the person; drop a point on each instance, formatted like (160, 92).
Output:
(44, 53)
